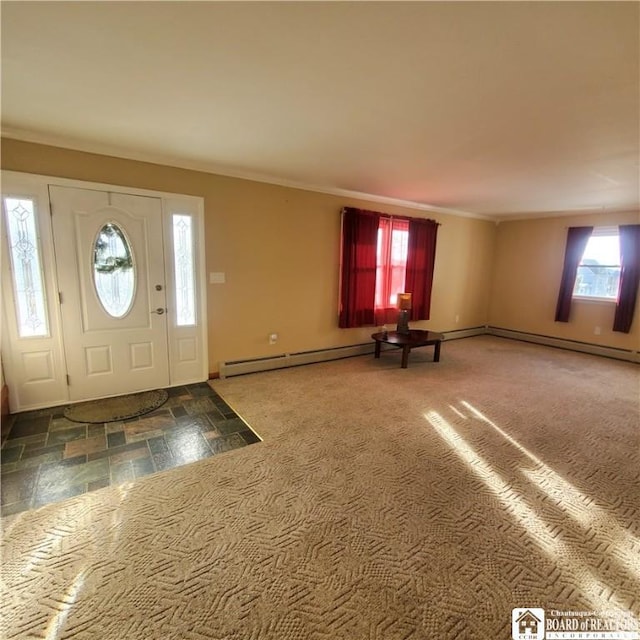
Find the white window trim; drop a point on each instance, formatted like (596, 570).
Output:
(596, 299)
(600, 232)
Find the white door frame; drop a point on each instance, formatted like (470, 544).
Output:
(188, 352)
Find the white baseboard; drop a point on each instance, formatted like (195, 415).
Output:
(284, 360)
(572, 345)
(465, 333)
(239, 367)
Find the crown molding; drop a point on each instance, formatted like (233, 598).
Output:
(565, 213)
(100, 148)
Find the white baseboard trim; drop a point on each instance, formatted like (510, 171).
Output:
(465, 333)
(284, 360)
(281, 361)
(571, 345)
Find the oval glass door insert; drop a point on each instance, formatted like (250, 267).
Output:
(113, 270)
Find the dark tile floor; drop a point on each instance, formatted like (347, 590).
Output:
(46, 458)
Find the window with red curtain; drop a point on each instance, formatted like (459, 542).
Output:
(383, 256)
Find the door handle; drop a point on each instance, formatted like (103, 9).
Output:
(159, 311)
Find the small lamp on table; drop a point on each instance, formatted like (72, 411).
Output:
(404, 306)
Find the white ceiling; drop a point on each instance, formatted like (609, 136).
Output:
(488, 108)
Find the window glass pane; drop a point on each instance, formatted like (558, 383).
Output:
(399, 246)
(184, 270)
(26, 262)
(382, 257)
(598, 275)
(113, 270)
(391, 266)
(603, 250)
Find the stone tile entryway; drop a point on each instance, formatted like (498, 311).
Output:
(46, 458)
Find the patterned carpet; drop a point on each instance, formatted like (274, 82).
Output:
(383, 503)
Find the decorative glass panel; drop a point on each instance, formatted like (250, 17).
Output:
(184, 270)
(113, 270)
(28, 283)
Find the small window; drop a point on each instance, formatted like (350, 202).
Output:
(26, 267)
(598, 274)
(185, 281)
(113, 270)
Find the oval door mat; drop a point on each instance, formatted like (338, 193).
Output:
(118, 408)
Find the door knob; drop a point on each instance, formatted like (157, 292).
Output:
(159, 311)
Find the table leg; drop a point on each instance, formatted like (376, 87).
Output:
(436, 352)
(405, 355)
(376, 353)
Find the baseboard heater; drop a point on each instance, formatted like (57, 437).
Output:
(465, 333)
(571, 345)
(284, 360)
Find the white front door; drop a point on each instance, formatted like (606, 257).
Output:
(111, 277)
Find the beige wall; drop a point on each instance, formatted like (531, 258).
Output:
(526, 278)
(279, 248)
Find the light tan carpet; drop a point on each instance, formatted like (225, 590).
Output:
(383, 503)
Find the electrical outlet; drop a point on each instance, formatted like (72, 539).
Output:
(457, 318)
(597, 331)
(273, 338)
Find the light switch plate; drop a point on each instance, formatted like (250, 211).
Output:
(217, 277)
